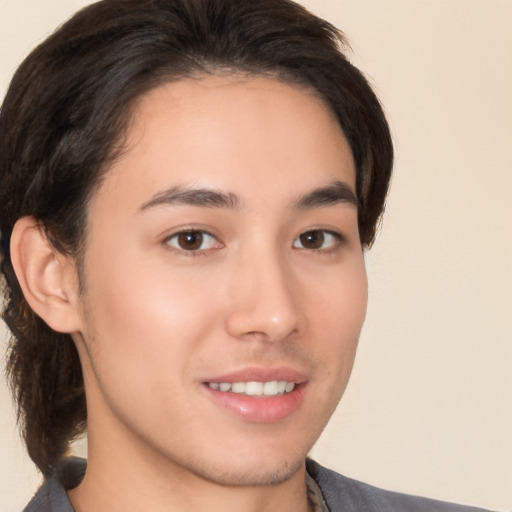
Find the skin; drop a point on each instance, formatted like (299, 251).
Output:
(156, 320)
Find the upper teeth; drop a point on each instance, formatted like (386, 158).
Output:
(272, 388)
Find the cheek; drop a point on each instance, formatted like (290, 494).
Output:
(339, 312)
(143, 327)
(340, 303)
(146, 317)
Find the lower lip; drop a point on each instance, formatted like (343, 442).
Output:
(258, 409)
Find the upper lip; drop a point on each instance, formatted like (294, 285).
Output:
(260, 374)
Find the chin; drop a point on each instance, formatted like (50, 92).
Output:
(242, 473)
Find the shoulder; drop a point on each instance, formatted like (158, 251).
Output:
(52, 495)
(345, 494)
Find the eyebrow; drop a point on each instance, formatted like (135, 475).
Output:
(205, 197)
(336, 192)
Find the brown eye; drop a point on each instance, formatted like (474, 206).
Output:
(316, 239)
(192, 241)
(312, 239)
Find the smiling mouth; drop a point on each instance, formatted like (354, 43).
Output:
(252, 388)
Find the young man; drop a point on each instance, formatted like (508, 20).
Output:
(187, 188)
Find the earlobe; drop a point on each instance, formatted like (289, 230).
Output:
(46, 276)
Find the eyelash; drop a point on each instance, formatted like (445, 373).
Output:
(335, 240)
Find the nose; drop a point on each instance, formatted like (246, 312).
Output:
(264, 303)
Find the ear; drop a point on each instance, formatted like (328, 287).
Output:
(47, 277)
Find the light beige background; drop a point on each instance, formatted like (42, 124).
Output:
(429, 407)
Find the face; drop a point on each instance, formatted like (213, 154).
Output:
(225, 286)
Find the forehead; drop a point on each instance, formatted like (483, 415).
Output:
(234, 133)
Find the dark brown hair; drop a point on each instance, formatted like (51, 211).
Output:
(62, 122)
